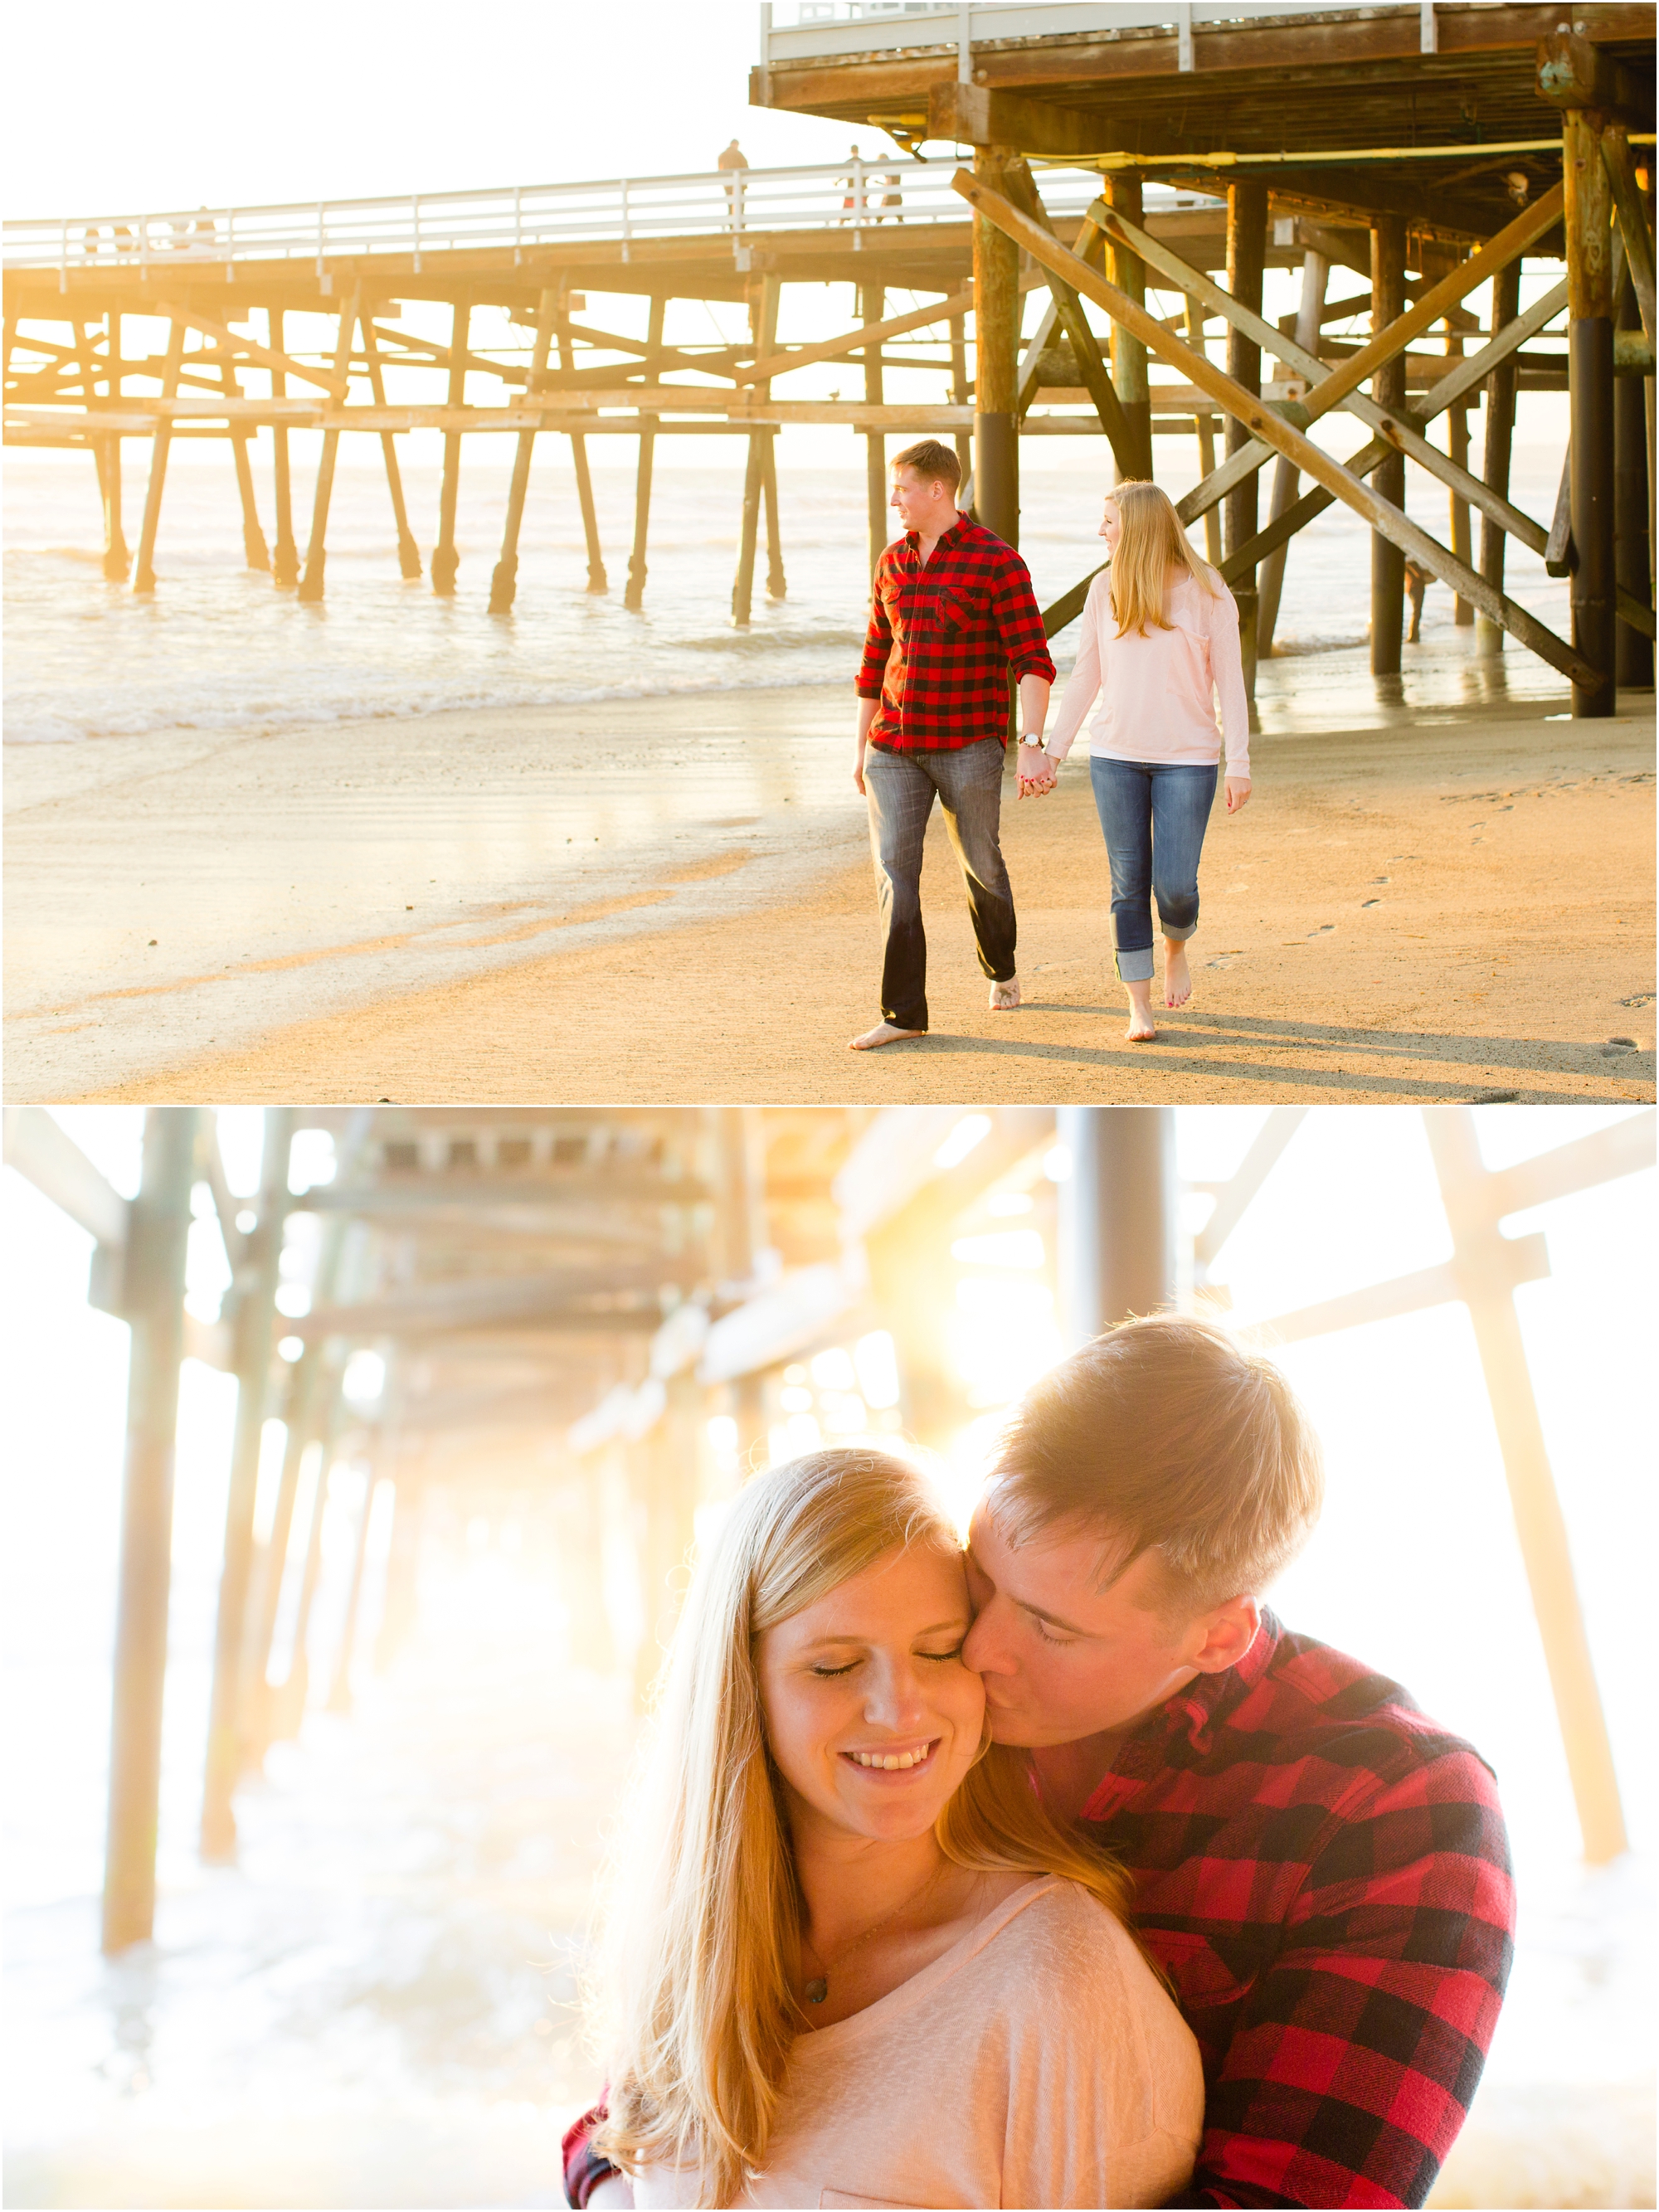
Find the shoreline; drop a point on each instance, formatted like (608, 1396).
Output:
(1455, 904)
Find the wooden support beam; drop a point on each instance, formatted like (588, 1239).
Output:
(311, 582)
(597, 579)
(143, 575)
(1270, 577)
(1247, 256)
(1633, 224)
(1633, 647)
(504, 583)
(153, 1302)
(1479, 1260)
(871, 298)
(1588, 222)
(1067, 312)
(118, 562)
(777, 363)
(254, 549)
(1206, 430)
(1577, 75)
(996, 345)
(339, 1692)
(287, 1705)
(1457, 448)
(300, 1418)
(633, 597)
(762, 310)
(973, 115)
(252, 1329)
(285, 558)
(1388, 391)
(959, 396)
(409, 553)
(245, 348)
(1268, 428)
(1128, 272)
(776, 585)
(444, 558)
(1499, 447)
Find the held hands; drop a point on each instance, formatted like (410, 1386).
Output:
(1239, 793)
(1038, 772)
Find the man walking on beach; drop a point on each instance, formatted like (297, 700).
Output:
(951, 612)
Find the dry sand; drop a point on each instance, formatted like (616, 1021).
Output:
(1453, 909)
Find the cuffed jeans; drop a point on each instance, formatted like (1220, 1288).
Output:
(1153, 814)
(901, 788)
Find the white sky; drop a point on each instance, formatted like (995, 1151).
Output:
(219, 106)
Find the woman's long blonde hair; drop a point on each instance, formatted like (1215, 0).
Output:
(1152, 542)
(696, 2010)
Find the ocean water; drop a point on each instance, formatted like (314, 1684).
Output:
(218, 648)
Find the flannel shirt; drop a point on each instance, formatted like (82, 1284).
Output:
(944, 639)
(1324, 1876)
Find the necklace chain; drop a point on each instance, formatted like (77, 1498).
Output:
(817, 1989)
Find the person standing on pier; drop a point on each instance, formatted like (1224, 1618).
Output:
(951, 614)
(1159, 646)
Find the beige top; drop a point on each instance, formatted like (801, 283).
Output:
(1157, 693)
(1037, 2063)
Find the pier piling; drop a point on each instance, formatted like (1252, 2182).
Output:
(1587, 220)
(1633, 650)
(504, 583)
(997, 302)
(1501, 387)
(444, 559)
(285, 557)
(311, 582)
(1388, 389)
(872, 302)
(143, 574)
(1128, 272)
(597, 579)
(409, 553)
(153, 1301)
(633, 597)
(1247, 261)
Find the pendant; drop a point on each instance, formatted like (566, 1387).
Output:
(818, 1990)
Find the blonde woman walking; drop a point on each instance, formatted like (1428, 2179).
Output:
(1159, 646)
(854, 1960)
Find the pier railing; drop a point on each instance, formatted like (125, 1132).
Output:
(864, 196)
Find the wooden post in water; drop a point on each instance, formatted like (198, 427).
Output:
(873, 302)
(254, 549)
(409, 553)
(776, 588)
(504, 583)
(301, 1419)
(444, 559)
(996, 359)
(311, 583)
(1270, 577)
(152, 1300)
(633, 597)
(1633, 661)
(285, 559)
(289, 1701)
(1587, 220)
(143, 574)
(1246, 259)
(597, 579)
(339, 1692)
(1204, 423)
(762, 330)
(1128, 272)
(118, 562)
(1501, 387)
(1388, 390)
(255, 1311)
(1457, 445)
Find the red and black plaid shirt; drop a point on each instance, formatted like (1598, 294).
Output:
(1324, 1875)
(945, 637)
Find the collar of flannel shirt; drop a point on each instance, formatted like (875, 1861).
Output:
(913, 538)
(1193, 1714)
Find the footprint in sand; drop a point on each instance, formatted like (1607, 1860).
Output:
(1365, 902)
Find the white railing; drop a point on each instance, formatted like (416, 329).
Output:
(822, 28)
(863, 196)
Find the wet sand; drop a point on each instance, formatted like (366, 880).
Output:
(1456, 905)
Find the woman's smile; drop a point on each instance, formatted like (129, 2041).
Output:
(893, 1759)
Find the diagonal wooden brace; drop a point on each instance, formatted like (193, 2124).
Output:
(1269, 430)
(1396, 428)
(1632, 221)
(330, 379)
(1086, 346)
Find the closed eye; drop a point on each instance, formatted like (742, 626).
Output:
(1046, 1636)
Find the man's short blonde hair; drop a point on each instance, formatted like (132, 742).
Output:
(933, 462)
(1165, 1435)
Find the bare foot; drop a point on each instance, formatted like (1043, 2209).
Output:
(1142, 1027)
(1177, 978)
(884, 1033)
(1004, 997)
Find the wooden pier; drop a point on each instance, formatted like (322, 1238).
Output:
(1121, 156)
(623, 1313)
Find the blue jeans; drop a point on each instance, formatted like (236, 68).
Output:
(1153, 814)
(901, 788)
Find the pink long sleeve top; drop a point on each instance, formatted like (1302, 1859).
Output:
(1157, 693)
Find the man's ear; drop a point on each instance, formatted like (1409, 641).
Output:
(1225, 1634)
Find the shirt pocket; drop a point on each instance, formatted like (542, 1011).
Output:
(959, 607)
